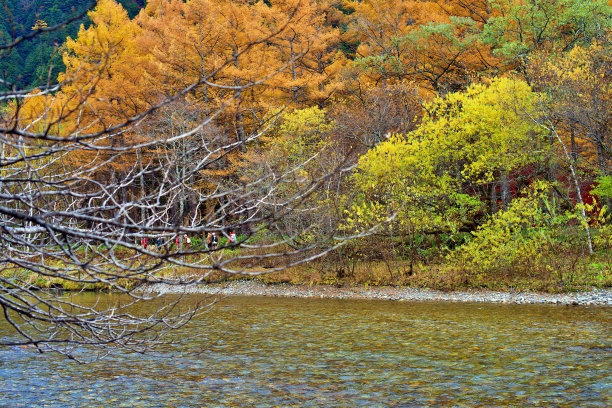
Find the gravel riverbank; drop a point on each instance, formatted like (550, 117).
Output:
(254, 288)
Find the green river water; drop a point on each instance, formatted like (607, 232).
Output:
(274, 352)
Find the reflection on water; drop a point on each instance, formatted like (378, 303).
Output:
(269, 352)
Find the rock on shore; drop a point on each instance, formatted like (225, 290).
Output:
(254, 288)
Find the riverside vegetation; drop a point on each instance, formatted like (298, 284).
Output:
(553, 264)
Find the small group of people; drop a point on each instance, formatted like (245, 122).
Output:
(153, 241)
(212, 241)
(187, 241)
(159, 241)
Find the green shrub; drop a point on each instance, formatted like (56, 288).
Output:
(603, 239)
(519, 240)
(604, 188)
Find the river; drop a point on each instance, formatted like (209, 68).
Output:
(270, 352)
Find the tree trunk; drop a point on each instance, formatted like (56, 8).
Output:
(585, 220)
(505, 189)
(494, 206)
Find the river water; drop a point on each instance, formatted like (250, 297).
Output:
(270, 352)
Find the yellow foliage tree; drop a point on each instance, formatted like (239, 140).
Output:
(580, 87)
(429, 178)
(281, 50)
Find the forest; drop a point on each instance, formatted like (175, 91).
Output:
(436, 143)
(34, 63)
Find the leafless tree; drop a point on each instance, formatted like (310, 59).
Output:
(82, 226)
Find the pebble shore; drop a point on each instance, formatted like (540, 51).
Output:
(253, 288)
